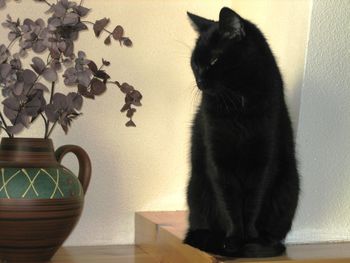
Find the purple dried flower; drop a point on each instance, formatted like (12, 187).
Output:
(15, 62)
(63, 109)
(33, 35)
(4, 53)
(80, 73)
(13, 26)
(24, 94)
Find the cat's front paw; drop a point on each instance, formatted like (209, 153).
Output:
(205, 240)
(263, 249)
(232, 247)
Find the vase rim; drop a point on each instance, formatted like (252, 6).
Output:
(26, 142)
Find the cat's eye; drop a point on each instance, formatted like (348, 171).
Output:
(213, 61)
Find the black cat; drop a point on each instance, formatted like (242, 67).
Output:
(244, 185)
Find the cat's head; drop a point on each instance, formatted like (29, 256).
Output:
(227, 51)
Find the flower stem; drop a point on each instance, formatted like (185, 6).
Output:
(52, 91)
(5, 125)
(45, 1)
(29, 90)
(51, 130)
(46, 124)
(13, 41)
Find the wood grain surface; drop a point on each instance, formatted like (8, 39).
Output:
(161, 234)
(103, 254)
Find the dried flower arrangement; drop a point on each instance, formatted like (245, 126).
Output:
(24, 91)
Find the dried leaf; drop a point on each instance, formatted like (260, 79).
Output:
(81, 54)
(29, 76)
(125, 107)
(10, 113)
(40, 86)
(101, 74)
(118, 33)
(38, 65)
(18, 88)
(108, 40)
(84, 92)
(56, 65)
(33, 106)
(127, 42)
(69, 48)
(130, 112)
(100, 25)
(24, 119)
(67, 62)
(136, 97)
(105, 62)
(92, 66)
(71, 19)
(130, 123)
(50, 75)
(65, 128)
(89, 95)
(4, 70)
(51, 113)
(126, 88)
(12, 36)
(97, 87)
(22, 52)
(39, 46)
(17, 128)
(81, 10)
(11, 103)
(76, 99)
(82, 89)
(59, 10)
(84, 77)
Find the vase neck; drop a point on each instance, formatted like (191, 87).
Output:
(27, 152)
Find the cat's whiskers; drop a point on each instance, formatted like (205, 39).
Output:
(184, 44)
(183, 53)
(195, 94)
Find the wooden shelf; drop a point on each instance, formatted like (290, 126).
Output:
(159, 237)
(161, 233)
(103, 254)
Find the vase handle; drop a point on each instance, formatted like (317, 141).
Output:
(84, 162)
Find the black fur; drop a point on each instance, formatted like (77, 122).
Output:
(244, 185)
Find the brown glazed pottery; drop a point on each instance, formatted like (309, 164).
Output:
(40, 200)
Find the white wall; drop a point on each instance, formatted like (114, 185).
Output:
(323, 136)
(146, 168)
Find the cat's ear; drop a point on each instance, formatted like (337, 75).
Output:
(230, 24)
(200, 24)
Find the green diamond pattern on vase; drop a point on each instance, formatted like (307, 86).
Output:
(39, 183)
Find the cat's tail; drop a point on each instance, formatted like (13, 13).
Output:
(257, 250)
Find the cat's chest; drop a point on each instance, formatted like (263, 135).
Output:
(226, 133)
